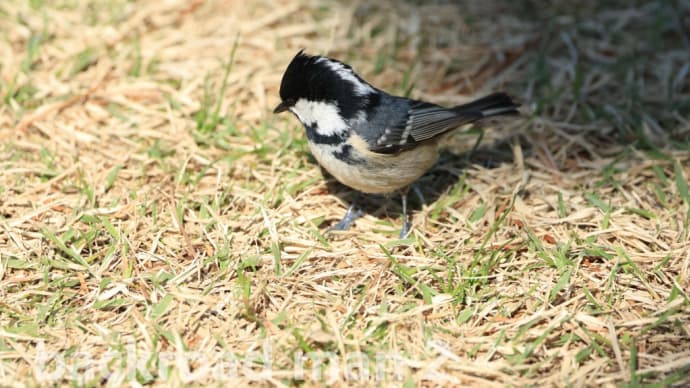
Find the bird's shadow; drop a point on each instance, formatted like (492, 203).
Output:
(436, 182)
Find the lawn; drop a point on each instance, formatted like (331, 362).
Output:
(159, 225)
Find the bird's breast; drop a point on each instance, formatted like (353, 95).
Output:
(355, 166)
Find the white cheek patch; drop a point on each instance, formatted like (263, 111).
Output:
(361, 88)
(325, 115)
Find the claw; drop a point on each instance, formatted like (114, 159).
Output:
(351, 215)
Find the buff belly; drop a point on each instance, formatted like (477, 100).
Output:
(381, 173)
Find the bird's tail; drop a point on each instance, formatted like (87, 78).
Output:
(495, 104)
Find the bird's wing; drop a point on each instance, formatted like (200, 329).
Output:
(423, 121)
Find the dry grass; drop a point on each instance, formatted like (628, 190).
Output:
(157, 221)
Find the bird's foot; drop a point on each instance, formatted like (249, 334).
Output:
(351, 215)
(406, 227)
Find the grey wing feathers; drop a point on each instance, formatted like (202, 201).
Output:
(424, 121)
(427, 121)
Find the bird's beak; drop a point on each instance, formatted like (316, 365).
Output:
(282, 107)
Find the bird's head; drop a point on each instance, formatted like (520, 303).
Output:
(311, 81)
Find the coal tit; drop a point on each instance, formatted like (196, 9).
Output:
(367, 139)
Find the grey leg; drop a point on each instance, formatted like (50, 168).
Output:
(406, 223)
(419, 194)
(351, 215)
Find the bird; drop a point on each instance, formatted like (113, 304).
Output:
(368, 139)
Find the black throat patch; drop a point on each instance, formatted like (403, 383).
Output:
(315, 137)
(344, 154)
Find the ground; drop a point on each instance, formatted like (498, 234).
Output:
(159, 225)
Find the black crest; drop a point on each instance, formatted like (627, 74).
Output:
(318, 78)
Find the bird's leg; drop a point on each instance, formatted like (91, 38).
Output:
(406, 223)
(419, 194)
(480, 137)
(350, 216)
